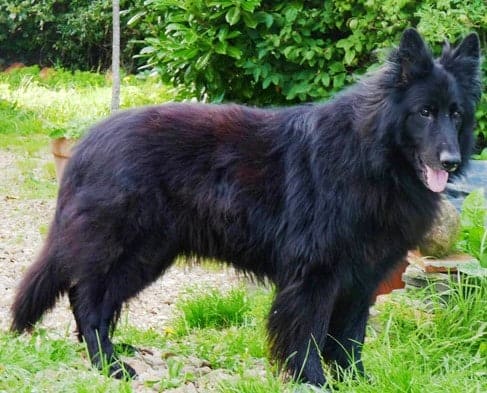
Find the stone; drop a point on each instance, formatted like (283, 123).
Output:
(458, 188)
(186, 388)
(416, 277)
(448, 264)
(440, 239)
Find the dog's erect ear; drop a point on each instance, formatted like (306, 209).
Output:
(469, 47)
(413, 57)
(465, 54)
(463, 62)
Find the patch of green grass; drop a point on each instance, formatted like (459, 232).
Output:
(407, 350)
(30, 144)
(269, 383)
(29, 176)
(415, 351)
(37, 182)
(176, 375)
(18, 120)
(211, 309)
(128, 334)
(62, 103)
(45, 364)
(54, 78)
(234, 346)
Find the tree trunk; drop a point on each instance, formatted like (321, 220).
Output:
(116, 56)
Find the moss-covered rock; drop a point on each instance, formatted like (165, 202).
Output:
(440, 239)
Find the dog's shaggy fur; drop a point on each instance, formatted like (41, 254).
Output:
(322, 200)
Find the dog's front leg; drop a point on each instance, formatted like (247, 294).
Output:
(298, 325)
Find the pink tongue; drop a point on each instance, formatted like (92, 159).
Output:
(436, 179)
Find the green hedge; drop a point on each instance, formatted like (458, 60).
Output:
(74, 34)
(269, 52)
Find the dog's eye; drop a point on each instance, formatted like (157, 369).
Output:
(426, 111)
(456, 115)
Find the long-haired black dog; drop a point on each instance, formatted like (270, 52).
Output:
(323, 200)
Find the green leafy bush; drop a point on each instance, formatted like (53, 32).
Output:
(268, 52)
(256, 51)
(74, 34)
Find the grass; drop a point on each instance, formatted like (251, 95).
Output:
(61, 103)
(49, 364)
(212, 309)
(416, 351)
(407, 349)
(31, 176)
(36, 106)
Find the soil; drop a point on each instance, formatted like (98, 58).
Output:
(23, 224)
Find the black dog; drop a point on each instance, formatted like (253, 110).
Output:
(323, 200)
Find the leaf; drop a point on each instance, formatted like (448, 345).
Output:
(349, 56)
(202, 61)
(175, 27)
(223, 33)
(221, 48)
(344, 43)
(339, 80)
(264, 17)
(249, 20)
(186, 53)
(297, 89)
(267, 81)
(250, 5)
(134, 19)
(336, 67)
(291, 14)
(473, 209)
(233, 34)
(325, 79)
(233, 16)
(147, 49)
(481, 156)
(234, 52)
(473, 269)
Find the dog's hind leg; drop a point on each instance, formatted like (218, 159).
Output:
(98, 299)
(87, 301)
(73, 295)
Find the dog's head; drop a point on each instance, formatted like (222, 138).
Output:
(438, 99)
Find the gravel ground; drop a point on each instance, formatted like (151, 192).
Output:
(21, 224)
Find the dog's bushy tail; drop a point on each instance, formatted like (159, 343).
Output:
(38, 290)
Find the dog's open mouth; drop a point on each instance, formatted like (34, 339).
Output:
(436, 179)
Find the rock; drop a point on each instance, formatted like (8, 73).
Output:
(448, 264)
(415, 278)
(441, 237)
(186, 388)
(460, 187)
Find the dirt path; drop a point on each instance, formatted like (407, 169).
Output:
(24, 222)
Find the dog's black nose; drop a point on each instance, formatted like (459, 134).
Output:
(449, 161)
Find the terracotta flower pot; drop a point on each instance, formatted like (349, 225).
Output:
(394, 280)
(61, 150)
